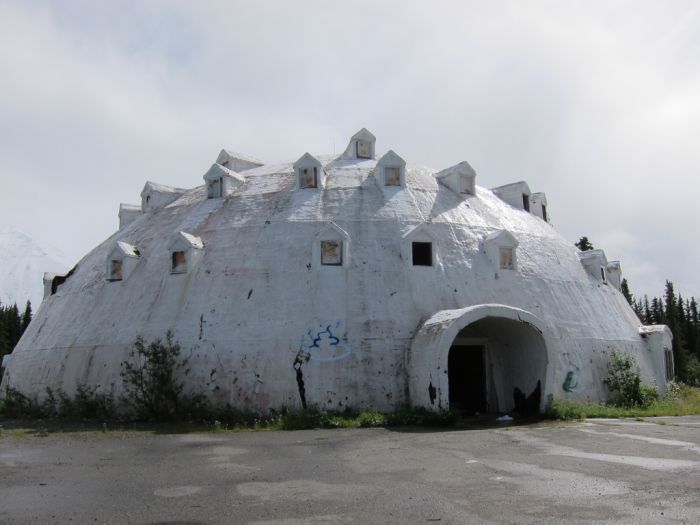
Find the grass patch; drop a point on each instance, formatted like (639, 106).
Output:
(682, 400)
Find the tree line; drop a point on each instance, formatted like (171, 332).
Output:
(678, 313)
(12, 326)
(681, 316)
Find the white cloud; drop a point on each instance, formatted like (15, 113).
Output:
(595, 103)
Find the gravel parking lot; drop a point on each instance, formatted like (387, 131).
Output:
(622, 471)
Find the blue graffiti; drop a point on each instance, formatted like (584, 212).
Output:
(321, 344)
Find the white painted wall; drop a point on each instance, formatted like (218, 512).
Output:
(255, 304)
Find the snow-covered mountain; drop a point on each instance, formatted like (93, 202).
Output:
(22, 266)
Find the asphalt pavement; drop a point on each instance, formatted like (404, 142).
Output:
(598, 471)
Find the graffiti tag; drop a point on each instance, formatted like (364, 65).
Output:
(323, 344)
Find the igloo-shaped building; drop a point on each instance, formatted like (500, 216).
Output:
(336, 281)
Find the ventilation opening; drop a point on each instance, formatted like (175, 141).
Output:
(179, 262)
(215, 188)
(332, 253)
(308, 177)
(392, 176)
(602, 274)
(506, 258)
(467, 379)
(422, 253)
(544, 212)
(116, 270)
(363, 150)
(526, 202)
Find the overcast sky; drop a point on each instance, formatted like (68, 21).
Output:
(595, 103)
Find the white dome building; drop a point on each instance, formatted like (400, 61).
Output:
(343, 281)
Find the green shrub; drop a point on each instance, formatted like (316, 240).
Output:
(303, 419)
(15, 405)
(625, 383)
(154, 386)
(371, 418)
(565, 410)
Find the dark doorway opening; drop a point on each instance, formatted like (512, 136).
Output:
(467, 379)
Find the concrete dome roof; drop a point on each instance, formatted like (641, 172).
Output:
(257, 303)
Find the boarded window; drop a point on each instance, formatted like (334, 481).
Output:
(526, 202)
(308, 177)
(179, 262)
(392, 176)
(115, 270)
(422, 253)
(332, 253)
(215, 188)
(506, 258)
(364, 150)
(668, 363)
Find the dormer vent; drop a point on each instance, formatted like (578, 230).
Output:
(331, 247)
(361, 146)
(596, 264)
(418, 247)
(155, 196)
(538, 206)
(460, 178)
(128, 213)
(501, 249)
(516, 194)
(121, 261)
(237, 162)
(614, 274)
(221, 181)
(391, 170)
(309, 172)
(185, 252)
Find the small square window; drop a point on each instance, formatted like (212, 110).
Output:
(392, 176)
(115, 270)
(464, 186)
(526, 202)
(308, 177)
(422, 253)
(332, 253)
(363, 150)
(506, 258)
(179, 262)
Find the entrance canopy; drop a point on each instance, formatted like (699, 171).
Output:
(514, 346)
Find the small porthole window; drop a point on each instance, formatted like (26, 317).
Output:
(308, 177)
(422, 253)
(332, 253)
(363, 149)
(392, 176)
(116, 272)
(178, 262)
(506, 258)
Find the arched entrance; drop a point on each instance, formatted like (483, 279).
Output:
(485, 358)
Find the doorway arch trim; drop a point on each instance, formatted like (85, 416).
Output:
(426, 359)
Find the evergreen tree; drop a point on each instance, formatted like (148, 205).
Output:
(26, 316)
(625, 289)
(584, 244)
